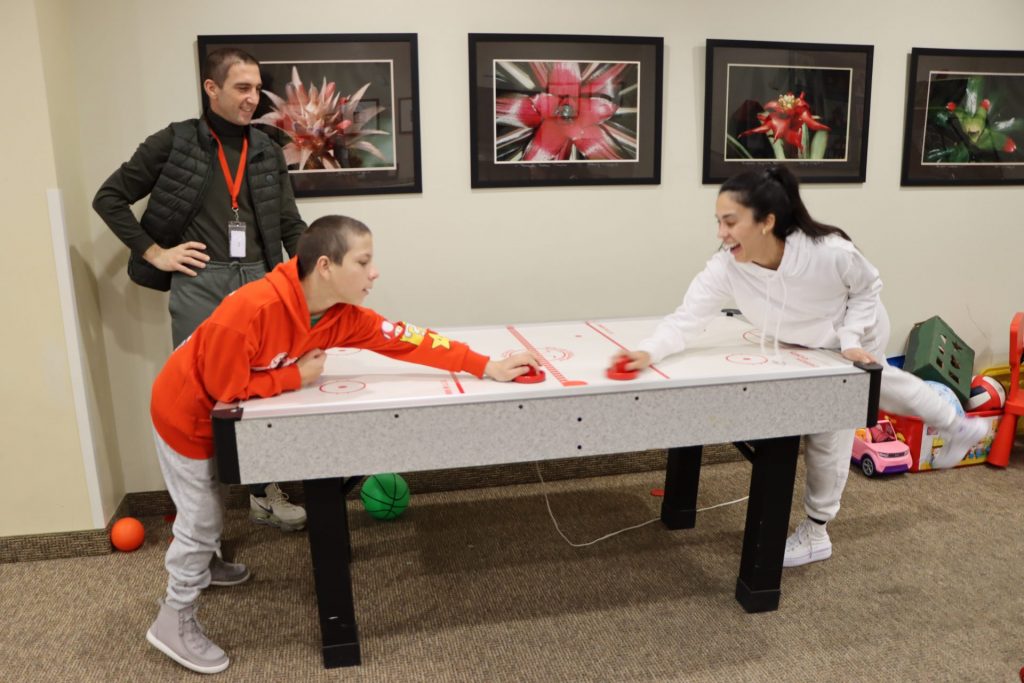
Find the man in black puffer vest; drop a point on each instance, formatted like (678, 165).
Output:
(221, 207)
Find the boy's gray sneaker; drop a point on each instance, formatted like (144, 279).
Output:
(178, 635)
(227, 573)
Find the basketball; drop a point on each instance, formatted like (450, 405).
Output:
(385, 496)
(127, 534)
(947, 395)
(986, 394)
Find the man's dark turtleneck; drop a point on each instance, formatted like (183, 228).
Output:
(210, 225)
(224, 128)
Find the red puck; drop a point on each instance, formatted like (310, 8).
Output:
(532, 376)
(618, 370)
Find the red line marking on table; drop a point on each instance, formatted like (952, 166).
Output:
(458, 384)
(615, 341)
(544, 361)
(803, 359)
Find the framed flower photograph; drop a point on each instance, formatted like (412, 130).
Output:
(344, 108)
(804, 105)
(564, 110)
(964, 118)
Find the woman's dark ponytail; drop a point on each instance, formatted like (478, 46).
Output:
(775, 190)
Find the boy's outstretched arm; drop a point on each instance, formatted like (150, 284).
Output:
(367, 329)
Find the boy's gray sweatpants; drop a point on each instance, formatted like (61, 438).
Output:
(198, 525)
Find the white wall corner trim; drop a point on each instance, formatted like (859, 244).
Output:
(73, 343)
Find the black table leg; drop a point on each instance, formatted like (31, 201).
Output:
(329, 547)
(764, 539)
(682, 475)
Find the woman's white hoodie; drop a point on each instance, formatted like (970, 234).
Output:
(825, 294)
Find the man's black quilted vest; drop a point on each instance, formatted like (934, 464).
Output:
(179, 190)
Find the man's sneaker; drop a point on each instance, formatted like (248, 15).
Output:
(178, 635)
(963, 437)
(275, 510)
(809, 543)
(227, 573)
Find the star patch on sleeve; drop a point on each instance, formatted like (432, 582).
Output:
(440, 341)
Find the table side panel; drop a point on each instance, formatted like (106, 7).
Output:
(440, 437)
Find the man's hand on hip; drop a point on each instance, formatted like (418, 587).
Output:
(182, 258)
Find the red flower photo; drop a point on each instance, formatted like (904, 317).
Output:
(565, 111)
(804, 105)
(547, 110)
(787, 113)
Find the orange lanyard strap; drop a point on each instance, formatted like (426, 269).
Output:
(234, 184)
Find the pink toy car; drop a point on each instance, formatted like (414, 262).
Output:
(878, 451)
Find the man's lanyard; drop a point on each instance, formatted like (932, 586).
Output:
(234, 185)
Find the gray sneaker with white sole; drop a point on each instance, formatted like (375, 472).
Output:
(180, 636)
(223, 573)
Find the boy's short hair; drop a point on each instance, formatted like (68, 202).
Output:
(219, 62)
(326, 236)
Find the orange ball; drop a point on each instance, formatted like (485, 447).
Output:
(127, 534)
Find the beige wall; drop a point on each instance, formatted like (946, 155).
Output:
(121, 69)
(41, 464)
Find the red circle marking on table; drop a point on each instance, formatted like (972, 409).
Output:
(746, 359)
(341, 351)
(342, 387)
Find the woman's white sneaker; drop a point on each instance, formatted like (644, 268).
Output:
(961, 439)
(809, 543)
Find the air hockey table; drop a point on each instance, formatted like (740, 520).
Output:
(368, 413)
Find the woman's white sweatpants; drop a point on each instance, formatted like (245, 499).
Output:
(197, 526)
(827, 455)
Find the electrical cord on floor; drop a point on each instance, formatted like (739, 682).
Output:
(554, 521)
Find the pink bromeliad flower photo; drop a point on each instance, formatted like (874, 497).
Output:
(566, 112)
(330, 116)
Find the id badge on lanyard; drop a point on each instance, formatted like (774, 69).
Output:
(236, 228)
(236, 238)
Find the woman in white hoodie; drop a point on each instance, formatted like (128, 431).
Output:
(804, 283)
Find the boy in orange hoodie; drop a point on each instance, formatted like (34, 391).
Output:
(266, 338)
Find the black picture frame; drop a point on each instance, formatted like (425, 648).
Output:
(762, 99)
(597, 123)
(964, 118)
(383, 162)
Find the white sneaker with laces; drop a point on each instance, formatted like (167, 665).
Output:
(809, 543)
(963, 437)
(275, 510)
